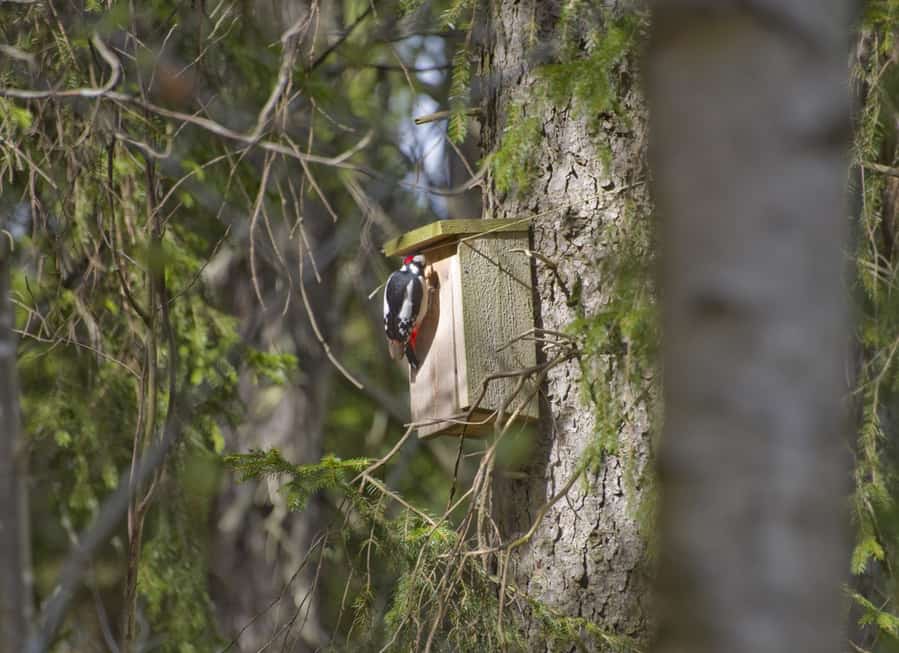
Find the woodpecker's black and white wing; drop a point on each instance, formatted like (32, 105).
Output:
(405, 303)
(405, 306)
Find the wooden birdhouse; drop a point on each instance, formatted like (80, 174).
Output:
(474, 336)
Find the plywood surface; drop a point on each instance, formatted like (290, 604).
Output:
(481, 303)
(497, 308)
(434, 388)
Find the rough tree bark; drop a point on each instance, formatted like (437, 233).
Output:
(14, 545)
(750, 120)
(588, 558)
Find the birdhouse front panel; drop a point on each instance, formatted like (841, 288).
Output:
(473, 343)
(498, 316)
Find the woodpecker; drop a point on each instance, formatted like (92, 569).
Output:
(405, 306)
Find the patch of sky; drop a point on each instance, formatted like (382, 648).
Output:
(424, 145)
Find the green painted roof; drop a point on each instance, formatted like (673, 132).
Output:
(448, 230)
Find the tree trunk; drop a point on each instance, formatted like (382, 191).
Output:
(588, 557)
(750, 138)
(14, 545)
(259, 543)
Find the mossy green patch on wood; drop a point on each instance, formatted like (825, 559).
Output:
(434, 233)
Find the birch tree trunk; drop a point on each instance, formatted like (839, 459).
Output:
(588, 557)
(14, 598)
(750, 124)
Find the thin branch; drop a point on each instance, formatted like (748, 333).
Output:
(541, 513)
(879, 167)
(444, 115)
(401, 68)
(106, 521)
(254, 218)
(318, 334)
(381, 461)
(86, 92)
(17, 54)
(288, 55)
(343, 37)
(319, 541)
(76, 343)
(145, 148)
(400, 500)
(31, 163)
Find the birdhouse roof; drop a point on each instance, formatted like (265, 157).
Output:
(443, 231)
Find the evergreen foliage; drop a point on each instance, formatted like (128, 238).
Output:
(439, 591)
(128, 209)
(459, 96)
(305, 480)
(172, 577)
(511, 163)
(874, 501)
(586, 76)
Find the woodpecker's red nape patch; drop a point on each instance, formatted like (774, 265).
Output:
(408, 259)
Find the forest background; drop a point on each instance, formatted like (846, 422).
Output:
(214, 452)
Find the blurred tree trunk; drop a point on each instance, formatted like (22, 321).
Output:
(588, 558)
(259, 545)
(750, 108)
(14, 541)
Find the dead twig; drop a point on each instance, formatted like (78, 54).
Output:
(86, 92)
(318, 334)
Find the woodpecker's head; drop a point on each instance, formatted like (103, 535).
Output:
(415, 263)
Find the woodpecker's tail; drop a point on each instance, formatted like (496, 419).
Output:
(395, 347)
(411, 357)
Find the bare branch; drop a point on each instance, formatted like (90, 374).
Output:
(16, 53)
(343, 37)
(318, 334)
(288, 44)
(882, 169)
(443, 115)
(86, 92)
(108, 518)
(15, 599)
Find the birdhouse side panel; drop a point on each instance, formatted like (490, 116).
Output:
(434, 388)
(460, 363)
(497, 309)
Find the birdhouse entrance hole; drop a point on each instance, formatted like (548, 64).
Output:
(470, 345)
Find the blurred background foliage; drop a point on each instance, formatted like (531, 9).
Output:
(161, 249)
